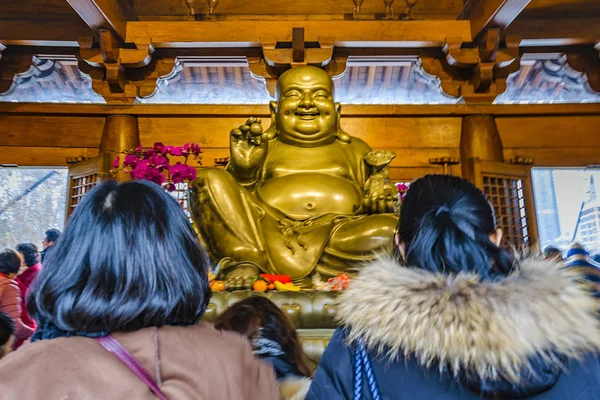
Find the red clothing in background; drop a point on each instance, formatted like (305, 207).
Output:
(24, 281)
(10, 303)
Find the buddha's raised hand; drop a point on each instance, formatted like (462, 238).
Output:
(248, 149)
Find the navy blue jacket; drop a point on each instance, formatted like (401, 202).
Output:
(533, 334)
(406, 380)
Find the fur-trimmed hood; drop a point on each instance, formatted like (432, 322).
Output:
(489, 329)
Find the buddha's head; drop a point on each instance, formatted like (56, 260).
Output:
(305, 113)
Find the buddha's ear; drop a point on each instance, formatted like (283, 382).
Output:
(341, 135)
(271, 132)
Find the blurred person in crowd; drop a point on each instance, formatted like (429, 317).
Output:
(273, 338)
(50, 238)
(7, 329)
(553, 253)
(30, 268)
(578, 259)
(457, 318)
(118, 304)
(10, 294)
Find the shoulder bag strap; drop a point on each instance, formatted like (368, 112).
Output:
(113, 346)
(363, 366)
(358, 375)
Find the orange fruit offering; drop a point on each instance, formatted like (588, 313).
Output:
(217, 286)
(270, 286)
(259, 286)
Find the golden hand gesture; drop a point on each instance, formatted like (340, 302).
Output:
(248, 148)
(381, 201)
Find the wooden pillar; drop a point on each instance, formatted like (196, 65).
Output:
(479, 140)
(120, 133)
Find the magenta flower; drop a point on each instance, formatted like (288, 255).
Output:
(191, 173)
(159, 147)
(185, 149)
(139, 170)
(195, 149)
(160, 162)
(402, 189)
(131, 160)
(117, 162)
(154, 175)
(151, 163)
(176, 151)
(148, 153)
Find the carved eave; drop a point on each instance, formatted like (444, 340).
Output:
(11, 63)
(477, 73)
(587, 61)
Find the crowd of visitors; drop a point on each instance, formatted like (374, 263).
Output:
(112, 308)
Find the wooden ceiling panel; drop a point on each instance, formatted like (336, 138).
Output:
(155, 8)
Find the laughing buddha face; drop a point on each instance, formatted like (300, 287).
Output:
(305, 112)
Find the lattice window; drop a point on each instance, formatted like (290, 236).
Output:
(181, 195)
(80, 185)
(507, 197)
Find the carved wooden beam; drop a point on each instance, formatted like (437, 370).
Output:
(476, 72)
(493, 14)
(105, 14)
(199, 34)
(62, 33)
(564, 32)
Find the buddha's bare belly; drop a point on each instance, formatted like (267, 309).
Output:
(308, 194)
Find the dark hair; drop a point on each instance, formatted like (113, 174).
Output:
(255, 312)
(10, 262)
(52, 235)
(30, 253)
(128, 259)
(7, 328)
(445, 223)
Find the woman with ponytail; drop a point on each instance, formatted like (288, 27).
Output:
(452, 316)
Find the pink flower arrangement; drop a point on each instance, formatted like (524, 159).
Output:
(155, 165)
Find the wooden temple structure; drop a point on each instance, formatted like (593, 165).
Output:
(472, 54)
(484, 89)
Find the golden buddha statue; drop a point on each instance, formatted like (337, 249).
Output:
(301, 197)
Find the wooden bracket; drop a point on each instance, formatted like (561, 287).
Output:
(587, 61)
(278, 57)
(11, 64)
(476, 71)
(299, 54)
(120, 73)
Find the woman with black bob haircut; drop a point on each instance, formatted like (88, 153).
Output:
(129, 276)
(457, 319)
